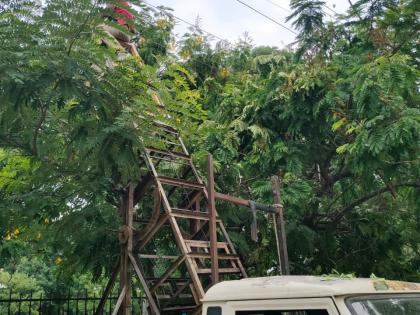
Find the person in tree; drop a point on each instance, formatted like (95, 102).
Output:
(116, 38)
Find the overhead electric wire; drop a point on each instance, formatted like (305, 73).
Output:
(335, 12)
(289, 11)
(186, 22)
(267, 17)
(279, 6)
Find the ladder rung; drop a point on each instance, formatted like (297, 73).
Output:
(205, 244)
(180, 182)
(208, 256)
(170, 153)
(188, 214)
(177, 280)
(166, 127)
(179, 308)
(147, 256)
(221, 270)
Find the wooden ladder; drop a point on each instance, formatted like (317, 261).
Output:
(182, 206)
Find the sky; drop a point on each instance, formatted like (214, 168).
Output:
(229, 19)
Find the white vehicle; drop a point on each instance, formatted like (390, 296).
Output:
(308, 295)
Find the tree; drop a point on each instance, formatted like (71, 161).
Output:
(72, 128)
(338, 120)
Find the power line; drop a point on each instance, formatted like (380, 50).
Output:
(335, 12)
(267, 17)
(278, 6)
(289, 11)
(186, 22)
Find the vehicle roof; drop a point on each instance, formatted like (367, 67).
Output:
(303, 286)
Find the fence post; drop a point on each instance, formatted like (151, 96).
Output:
(85, 301)
(68, 302)
(40, 304)
(10, 299)
(30, 303)
(93, 308)
(19, 303)
(77, 302)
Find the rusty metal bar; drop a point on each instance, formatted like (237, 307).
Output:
(279, 228)
(213, 222)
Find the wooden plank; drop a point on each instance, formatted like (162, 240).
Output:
(189, 214)
(180, 182)
(141, 187)
(189, 261)
(194, 197)
(232, 199)
(221, 270)
(166, 127)
(208, 256)
(169, 153)
(153, 231)
(147, 256)
(140, 235)
(179, 291)
(178, 236)
(204, 244)
(179, 308)
(279, 228)
(152, 303)
(212, 224)
(119, 301)
(167, 273)
(108, 289)
(232, 248)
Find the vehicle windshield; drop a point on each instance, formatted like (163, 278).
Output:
(408, 304)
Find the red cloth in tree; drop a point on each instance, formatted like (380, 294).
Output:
(124, 12)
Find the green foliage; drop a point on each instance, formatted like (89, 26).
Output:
(73, 121)
(337, 119)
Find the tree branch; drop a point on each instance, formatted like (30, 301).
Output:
(79, 31)
(371, 195)
(37, 129)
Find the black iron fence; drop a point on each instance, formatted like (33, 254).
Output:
(81, 303)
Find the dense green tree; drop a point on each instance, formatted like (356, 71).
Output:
(337, 118)
(74, 119)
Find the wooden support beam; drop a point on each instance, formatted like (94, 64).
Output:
(141, 244)
(152, 303)
(179, 291)
(108, 289)
(141, 187)
(121, 297)
(167, 273)
(180, 183)
(150, 256)
(232, 199)
(279, 228)
(213, 220)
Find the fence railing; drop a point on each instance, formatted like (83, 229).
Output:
(81, 303)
